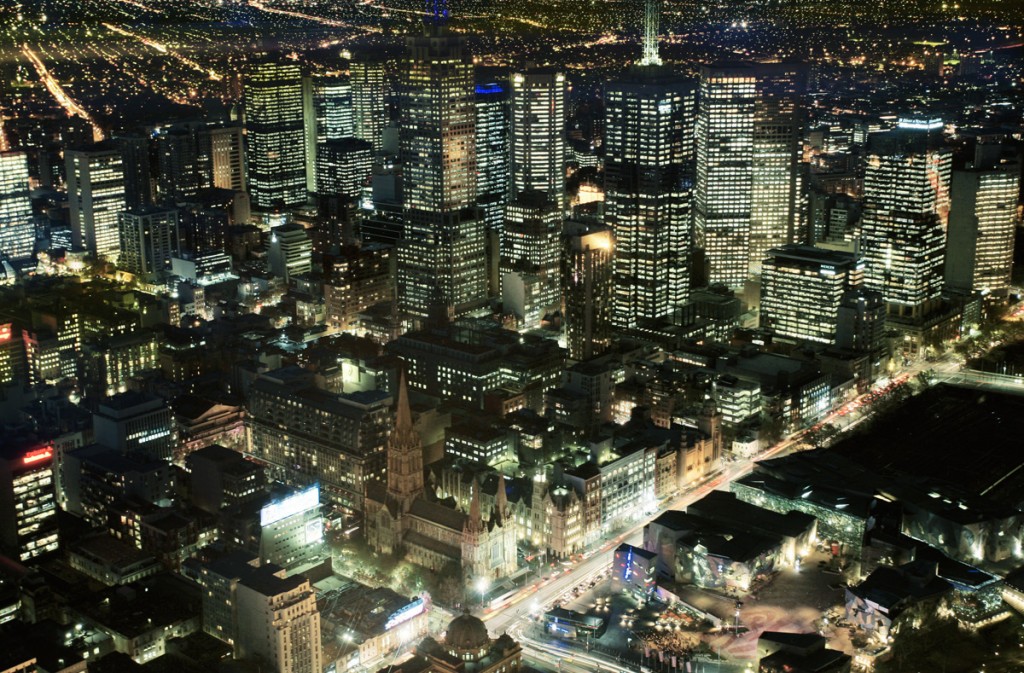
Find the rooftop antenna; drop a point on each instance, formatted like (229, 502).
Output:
(652, 22)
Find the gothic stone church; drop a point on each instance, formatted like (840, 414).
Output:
(403, 519)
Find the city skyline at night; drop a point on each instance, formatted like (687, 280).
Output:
(511, 336)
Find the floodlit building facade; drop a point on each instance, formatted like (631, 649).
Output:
(96, 195)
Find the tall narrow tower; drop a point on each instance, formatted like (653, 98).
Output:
(648, 182)
(442, 255)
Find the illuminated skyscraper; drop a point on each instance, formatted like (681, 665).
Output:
(802, 288)
(343, 166)
(530, 257)
(275, 141)
(538, 133)
(648, 186)
(906, 206)
(777, 201)
(17, 231)
(587, 288)
(95, 197)
(327, 115)
(441, 256)
(492, 152)
(149, 238)
(28, 501)
(368, 91)
(227, 158)
(982, 223)
(749, 193)
(725, 161)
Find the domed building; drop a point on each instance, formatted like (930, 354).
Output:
(467, 648)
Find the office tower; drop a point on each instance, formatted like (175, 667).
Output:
(588, 291)
(982, 223)
(227, 157)
(802, 288)
(530, 257)
(17, 230)
(723, 191)
(275, 146)
(181, 160)
(343, 167)
(95, 197)
(537, 136)
(149, 238)
(138, 178)
(648, 183)
(135, 423)
(492, 152)
(441, 257)
(906, 205)
(777, 199)
(291, 527)
(291, 251)
(28, 501)
(368, 112)
(332, 107)
(326, 114)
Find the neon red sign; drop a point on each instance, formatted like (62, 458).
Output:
(38, 455)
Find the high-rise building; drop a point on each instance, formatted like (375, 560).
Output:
(278, 621)
(369, 118)
(183, 162)
(861, 321)
(723, 191)
(135, 423)
(138, 179)
(749, 192)
(492, 152)
(28, 501)
(906, 206)
(306, 435)
(327, 116)
(149, 238)
(442, 256)
(227, 158)
(261, 612)
(777, 199)
(96, 194)
(17, 230)
(537, 135)
(530, 258)
(343, 167)
(291, 251)
(588, 291)
(648, 185)
(275, 145)
(802, 288)
(982, 223)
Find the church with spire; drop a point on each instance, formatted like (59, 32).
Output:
(403, 519)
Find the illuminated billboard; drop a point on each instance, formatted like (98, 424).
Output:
(279, 510)
(406, 613)
(38, 455)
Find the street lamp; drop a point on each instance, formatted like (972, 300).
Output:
(482, 584)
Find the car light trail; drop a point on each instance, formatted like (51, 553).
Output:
(61, 96)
